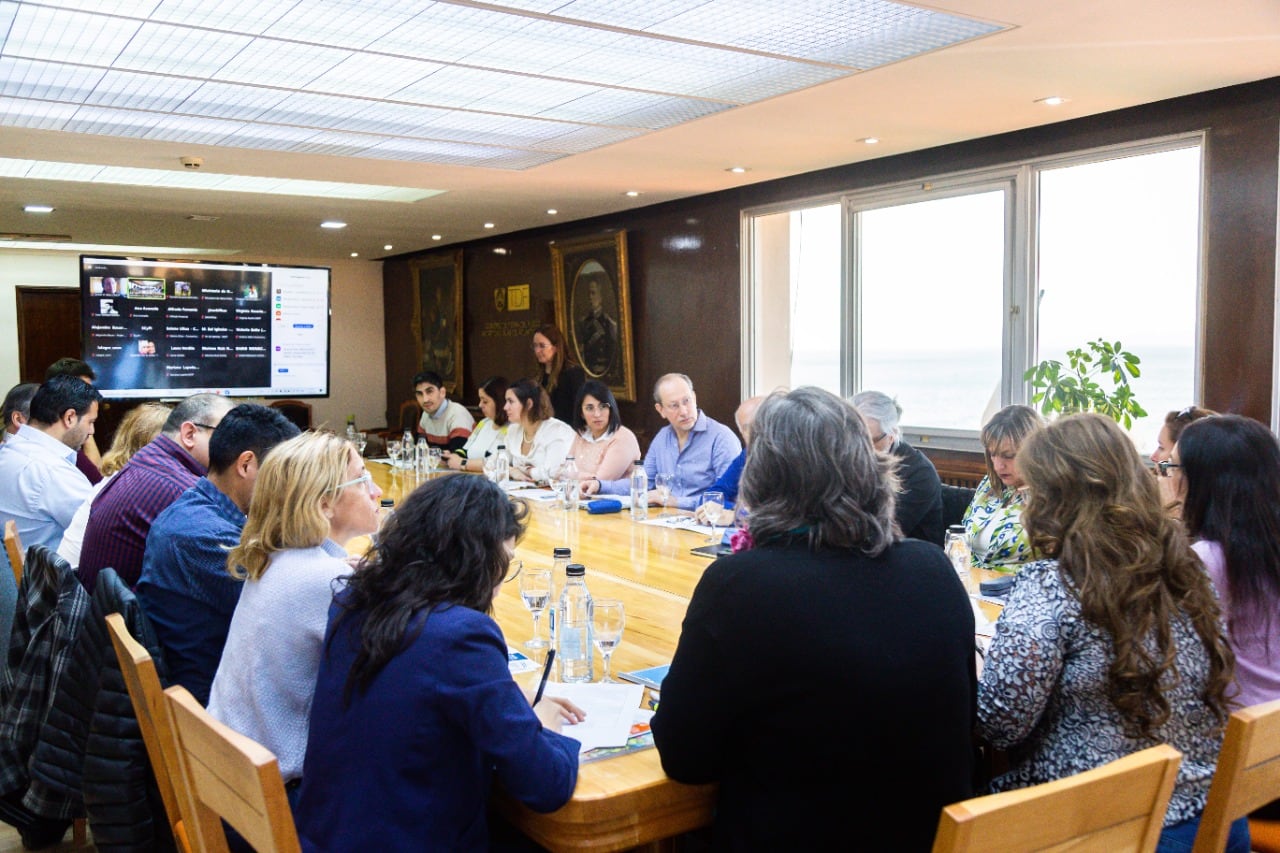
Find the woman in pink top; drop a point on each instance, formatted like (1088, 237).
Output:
(603, 449)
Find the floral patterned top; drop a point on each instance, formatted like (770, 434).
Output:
(1042, 695)
(993, 527)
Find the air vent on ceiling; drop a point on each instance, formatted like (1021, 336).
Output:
(14, 236)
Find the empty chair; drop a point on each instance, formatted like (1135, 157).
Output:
(228, 777)
(1117, 807)
(1248, 776)
(297, 411)
(152, 711)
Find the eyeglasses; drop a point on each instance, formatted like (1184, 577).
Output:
(367, 479)
(203, 426)
(879, 438)
(1187, 414)
(591, 409)
(1165, 467)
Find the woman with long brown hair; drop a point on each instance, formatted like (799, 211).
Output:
(557, 373)
(1114, 642)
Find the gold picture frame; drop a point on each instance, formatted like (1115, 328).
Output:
(593, 308)
(437, 316)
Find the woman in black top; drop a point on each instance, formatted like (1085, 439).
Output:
(558, 374)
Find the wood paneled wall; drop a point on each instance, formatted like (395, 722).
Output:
(685, 261)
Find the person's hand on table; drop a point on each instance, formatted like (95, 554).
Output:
(555, 712)
(589, 487)
(453, 461)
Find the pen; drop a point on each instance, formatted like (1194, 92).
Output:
(546, 670)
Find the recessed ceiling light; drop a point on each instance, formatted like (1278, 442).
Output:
(355, 254)
(202, 217)
(38, 208)
(737, 170)
(632, 193)
(436, 237)
(386, 248)
(870, 140)
(551, 211)
(1052, 100)
(499, 251)
(488, 225)
(333, 223)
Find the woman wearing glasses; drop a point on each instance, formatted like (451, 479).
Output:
(312, 495)
(1174, 424)
(416, 714)
(557, 373)
(603, 448)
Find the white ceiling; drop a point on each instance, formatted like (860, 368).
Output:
(686, 88)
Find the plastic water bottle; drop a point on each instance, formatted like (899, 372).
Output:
(406, 443)
(639, 491)
(501, 465)
(573, 633)
(386, 509)
(961, 559)
(569, 483)
(351, 429)
(421, 454)
(560, 558)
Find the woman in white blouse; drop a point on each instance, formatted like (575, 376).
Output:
(537, 441)
(488, 433)
(603, 447)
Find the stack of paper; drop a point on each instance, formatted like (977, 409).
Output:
(611, 709)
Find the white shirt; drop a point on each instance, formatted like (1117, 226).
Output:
(551, 443)
(73, 536)
(40, 486)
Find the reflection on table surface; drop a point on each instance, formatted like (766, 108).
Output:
(626, 801)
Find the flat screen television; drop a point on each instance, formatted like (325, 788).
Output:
(160, 329)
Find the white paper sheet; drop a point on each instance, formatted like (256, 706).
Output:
(611, 709)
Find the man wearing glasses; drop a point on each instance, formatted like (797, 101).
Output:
(692, 446)
(153, 478)
(185, 588)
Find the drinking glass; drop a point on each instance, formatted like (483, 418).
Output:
(535, 591)
(362, 441)
(663, 483)
(393, 451)
(711, 507)
(433, 460)
(607, 621)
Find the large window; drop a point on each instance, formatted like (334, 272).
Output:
(944, 291)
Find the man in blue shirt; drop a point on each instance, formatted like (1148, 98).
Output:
(185, 588)
(692, 446)
(40, 486)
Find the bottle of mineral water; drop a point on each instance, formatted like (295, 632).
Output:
(639, 492)
(573, 628)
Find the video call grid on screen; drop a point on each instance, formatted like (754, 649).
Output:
(173, 328)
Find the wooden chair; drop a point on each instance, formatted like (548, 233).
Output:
(1119, 806)
(13, 546)
(298, 411)
(228, 777)
(152, 711)
(1248, 776)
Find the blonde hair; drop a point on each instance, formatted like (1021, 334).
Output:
(135, 431)
(294, 487)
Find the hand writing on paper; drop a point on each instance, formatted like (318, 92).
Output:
(555, 712)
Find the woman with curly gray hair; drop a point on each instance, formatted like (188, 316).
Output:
(850, 625)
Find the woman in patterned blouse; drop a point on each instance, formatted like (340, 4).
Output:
(992, 523)
(1114, 643)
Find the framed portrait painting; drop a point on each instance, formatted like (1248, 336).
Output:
(593, 308)
(437, 316)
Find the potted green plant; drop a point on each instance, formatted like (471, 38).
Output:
(1062, 390)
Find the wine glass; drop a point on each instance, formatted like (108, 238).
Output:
(433, 460)
(607, 621)
(535, 591)
(664, 483)
(710, 508)
(393, 451)
(362, 441)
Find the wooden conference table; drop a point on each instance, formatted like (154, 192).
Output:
(624, 801)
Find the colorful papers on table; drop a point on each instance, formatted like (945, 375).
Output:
(518, 662)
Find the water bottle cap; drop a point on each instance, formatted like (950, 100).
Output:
(560, 552)
(387, 502)
(575, 570)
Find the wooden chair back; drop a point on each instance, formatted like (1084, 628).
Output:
(228, 777)
(1119, 806)
(150, 708)
(13, 547)
(1248, 774)
(298, 411)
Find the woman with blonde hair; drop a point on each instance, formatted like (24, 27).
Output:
(992, 523)
(136, 429)
(1114, 642)
(312, 495)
